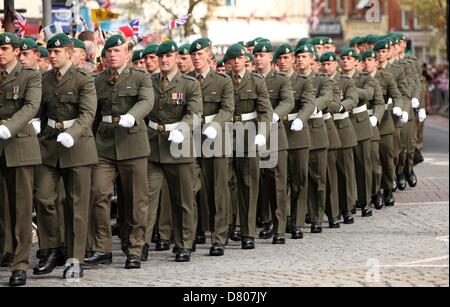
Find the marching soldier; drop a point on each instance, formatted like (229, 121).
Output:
(319, 138)
(252, 106)
(274, 180)
(79, 53)
(44, 63)
(125, 98)
(138, 59)
(29, 53)
(319, 44)
(68, 152)
(184, 60)
(177, 103)
(218, 109)
(297, 131)
(20, 98)
(151, 60)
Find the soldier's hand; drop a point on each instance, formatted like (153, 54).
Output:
(297, 125)
(176, 137)
(397, 111)
(260, 140)
(405, 117)
(415, 103)
(422, 115)
(37, 126)
(66, 140)
(127, 121)
(210, 132)
(373, 121)
(5, 134)
(275, 118)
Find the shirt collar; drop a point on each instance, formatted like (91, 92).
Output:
(121, 69)
(65, 69)
(373, 74)
(240, 74)
(204, 74)
(266, 73)
(170, 76)
(351, 73)
(11, 67)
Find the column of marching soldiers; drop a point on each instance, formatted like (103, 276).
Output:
(345, 128)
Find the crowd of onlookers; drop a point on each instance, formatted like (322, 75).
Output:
(437, 79)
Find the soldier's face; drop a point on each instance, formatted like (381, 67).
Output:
(329, 48)
(249, 67)
(8, 55)
(139, 64)
(185, 63)
(59, 57)
(118, 56)
(329, 68)
(151, 63)
(168, 62)
(44, 64)
(238, 64)
(78, 56)
(304, 60)
(286, 62)
(383, 55)
(263, 61)
(222, 70)
(392, 52)
(320, 49)
(348, 63)
(370, 65)
(29, 58)
(362, 48)
(201, 59)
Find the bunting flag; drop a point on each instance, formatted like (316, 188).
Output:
(317, 7)
(104, 4)
(84, 24)
(134, 24)
(20, 23)
(102, 15)
(174, 24)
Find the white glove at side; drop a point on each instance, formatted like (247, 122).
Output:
(127, 121)
(210, 132)
(422, 115)
(37, 126)
(397, 111)
(405, 117)
(275, 118)
(176, 137)
(66, 140)
(5, 134)
(260, 140)
(415, 103)
(297, 125)
(373, 121)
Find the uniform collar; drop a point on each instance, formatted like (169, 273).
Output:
(351, 73)
(121, 69)
(204, 74)
(374, 73)
(334, 75)
(265, 74)
(170, 76)
(240, 74)
(66, 68)
(11, 67)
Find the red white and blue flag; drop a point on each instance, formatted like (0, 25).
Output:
(314, 19)
(134, 24)
(104, 4)
(84, 24)
(20, 23)
(176, 23)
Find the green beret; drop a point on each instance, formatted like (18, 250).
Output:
(328, 41)
(260, 40)
(401, 36)
(235, 51)
(263, 47)
(381, 44)
(184, 49)
(371, 39)
(199, 44)
(284, 49)
(249, 44)
(27, 44)
(220, 63)
(359, 58)
(389, 40)
(150, 49)
(166, 48)
(369, 54)
(305, 49)
(60, 40)
(213, 56)
(316, 57)
(137, 55)
(43, 51)
(329, 57)
(349, 52)
(242, 43)
(362, 40)
(78, 44)
(303, 41)
(320, 40)
(250, 58)
(9, 39)
(115, 41)
(355, 41)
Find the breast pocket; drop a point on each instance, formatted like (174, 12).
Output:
(69, 98)
(248, 101)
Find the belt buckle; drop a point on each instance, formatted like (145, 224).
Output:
(285, 119)
(161, 128)
(59, 126)
(237, 118)
(115, 120)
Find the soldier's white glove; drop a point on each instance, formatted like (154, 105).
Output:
(176, 137)
(127, 121)
(66, 140)
(275, 118)
(405, 117)
(5, 134)
(260, 140)
(341, 109)
(315, 111)
(373, 121)
(37, 126)
(415, 103)
(422, 115)
(297, 125)
(397, 111)
(210, 132)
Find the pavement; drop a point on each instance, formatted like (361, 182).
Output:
(407, 245)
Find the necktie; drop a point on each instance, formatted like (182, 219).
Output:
(113, 78)
(164, 83)
(58, 76)
(200, 79)
(3, 75)
(236, 80)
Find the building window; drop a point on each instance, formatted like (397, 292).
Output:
(328, 5)
(416, 22)
(340, 6)
(405, 20)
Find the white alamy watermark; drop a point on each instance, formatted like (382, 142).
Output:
(373, 13)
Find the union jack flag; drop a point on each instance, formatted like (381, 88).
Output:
(84, 23)
(173, 24)
(134, 24)
(20, 23)
(104, 4)
(317, 7)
